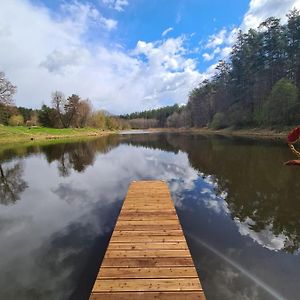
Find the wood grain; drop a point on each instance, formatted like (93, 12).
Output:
(183, 295)
(147, 257)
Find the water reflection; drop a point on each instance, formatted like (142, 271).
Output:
(69, 157)
(237, 204)
(77, 156)
(260, 193)
(12, 183)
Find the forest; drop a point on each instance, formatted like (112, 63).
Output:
(258, 86)
(152, 118)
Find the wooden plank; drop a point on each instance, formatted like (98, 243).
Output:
(147, 256)
(137, 284)
(153, 212)
(154, 239)
(147, 253)
(147, 227)
(183, 295)
(171, 272)
(145, 217)
(148, 222)
(149, 246)
(140, 233)
(149, 207)
(161, 201)
(144, 198)
(149, 262)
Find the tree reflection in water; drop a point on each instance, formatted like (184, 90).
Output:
(11, 183)
(78, 156)
(233, 195)
(262, 194)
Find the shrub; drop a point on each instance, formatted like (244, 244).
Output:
(97, 120)
(282, 104)
(219, 121)
(16, 120)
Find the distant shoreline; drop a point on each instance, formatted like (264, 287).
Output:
(19, 134)
(255, 132)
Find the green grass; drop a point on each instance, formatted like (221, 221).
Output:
(11, 134)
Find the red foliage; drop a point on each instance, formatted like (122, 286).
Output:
(294, 135)
(292, 163)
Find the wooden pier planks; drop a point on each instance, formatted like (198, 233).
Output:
(147, 257)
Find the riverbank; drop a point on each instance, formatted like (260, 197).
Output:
(18, 134)
(254, 132)
(21, 134)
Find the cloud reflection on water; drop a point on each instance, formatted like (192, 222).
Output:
(73, 198)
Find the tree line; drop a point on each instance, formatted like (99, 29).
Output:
(152, 118)
(257, 87)
(72, 111)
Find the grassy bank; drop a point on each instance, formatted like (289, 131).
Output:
(18, 134)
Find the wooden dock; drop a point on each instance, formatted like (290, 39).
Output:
(147, 257)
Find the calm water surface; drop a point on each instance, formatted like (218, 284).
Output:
(239, 208)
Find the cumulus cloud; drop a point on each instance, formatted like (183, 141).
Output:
(56, 55)
(221, 42)
(206, 56)
(83, 16)
(116, 4)
(108, 23)
(259, 10)
(165, 32)
(217, 39)
(57, 61)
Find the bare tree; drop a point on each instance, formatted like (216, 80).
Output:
(59, 103)
(97, 120)
(173, 120)
(142, 123)
(84, 112)
(7, 90)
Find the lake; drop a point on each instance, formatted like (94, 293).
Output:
(238, 205)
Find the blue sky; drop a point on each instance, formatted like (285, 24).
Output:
(124, 55)
(147, 19)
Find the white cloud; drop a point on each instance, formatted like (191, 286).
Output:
(55, 55)
(81, 16)
(167, 31)
(220, 44)
(225, 52)
(259, 10)
(211, 56)
(108, 23)
(206, 56)
(116, 4)
(217, 39)
(57, 61)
